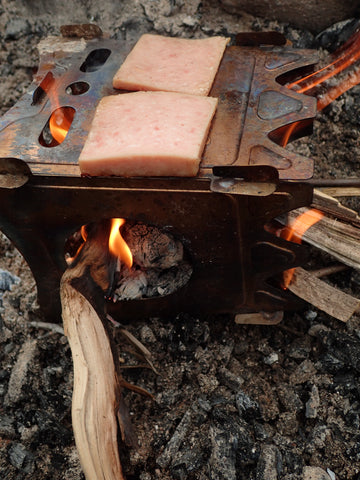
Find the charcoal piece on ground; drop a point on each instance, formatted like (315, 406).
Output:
(7, 427)
(315, 473)
(247, 407)
(51, 429)
(289, 398)
(176, 440)
(7, 280)
(344, 347)
(19, 378)
(186, 462)
(21, 458)
(269, 466)
(332, 37)
(312, 405)
(232, 445)
(229, 379)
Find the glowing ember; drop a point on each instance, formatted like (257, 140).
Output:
(295, 232)
(117, 244)
(83, 232)
(60, 122)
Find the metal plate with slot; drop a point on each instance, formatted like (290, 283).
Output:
(237, 180)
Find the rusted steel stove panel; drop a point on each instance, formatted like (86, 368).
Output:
(252, 104)
(230, 252)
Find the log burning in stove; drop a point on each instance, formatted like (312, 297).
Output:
(150, 262)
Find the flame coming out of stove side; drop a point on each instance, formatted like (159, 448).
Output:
(295, 232)
(341, 60)
(346, 56)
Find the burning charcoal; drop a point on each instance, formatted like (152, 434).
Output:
(7, 280)
(151, 247)
(133, 285)
(164, 282)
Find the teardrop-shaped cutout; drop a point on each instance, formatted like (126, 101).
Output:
(57, 127)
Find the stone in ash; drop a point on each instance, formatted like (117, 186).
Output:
(147, 134)
(171, 64)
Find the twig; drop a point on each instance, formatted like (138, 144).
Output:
(53, 327)
(325, 271)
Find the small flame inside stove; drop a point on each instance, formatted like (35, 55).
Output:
(60, 122)
(117, 244)
(295, 232)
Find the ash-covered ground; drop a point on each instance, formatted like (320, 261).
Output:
(231, 402)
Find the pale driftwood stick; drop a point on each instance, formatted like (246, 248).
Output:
(329, 299)
(94, 403)
(341, 240)
(97, 404)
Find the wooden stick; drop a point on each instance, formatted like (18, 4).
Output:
(341, 240)
(332, 206)
(330, 270)
(97, 404)
(329, 299)
(340, 191)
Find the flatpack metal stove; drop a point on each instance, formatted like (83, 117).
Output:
(246, 178)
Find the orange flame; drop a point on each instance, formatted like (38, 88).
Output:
(340, 60)
(60, 122)
(295, 232)
(344, 57)
(117, 244)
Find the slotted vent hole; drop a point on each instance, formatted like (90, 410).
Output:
(95, 60)
(77, 88)
(57, 127)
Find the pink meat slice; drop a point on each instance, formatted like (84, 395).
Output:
(147, 134)
(171, 64)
